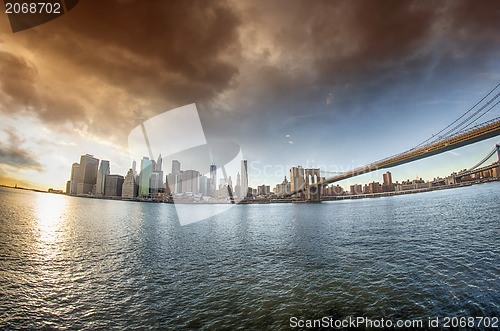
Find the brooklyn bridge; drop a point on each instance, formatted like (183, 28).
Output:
(480, 122)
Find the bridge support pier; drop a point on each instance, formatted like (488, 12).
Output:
(313, 190)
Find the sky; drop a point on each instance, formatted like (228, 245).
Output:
(330, 84)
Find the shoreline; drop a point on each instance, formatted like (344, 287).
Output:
(283, 200)
(414, 191)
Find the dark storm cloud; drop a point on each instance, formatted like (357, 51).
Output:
(359, 50)
(17, 83)
(319, 65)
(11, 154)
(110, 60)
(115, 61)
(379, 35)
(21, 92)
(18, 158)
(151, 49)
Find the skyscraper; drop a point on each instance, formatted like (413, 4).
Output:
(284, 188)
(75, 171)
(222, 183)
(176, 167)
(244, 178)
(159, 163)
(213, 177)
(171, 184)
(114, 184)
(387, 178)
(387, 186)
(237, 188)
(174, 179)
(190, 181)
(297, 178)
(145, 177)
(134, 167)
(157, 183)
(203, 185)
(87, 174)
(130, 187)
(101, 178)
(154, 183)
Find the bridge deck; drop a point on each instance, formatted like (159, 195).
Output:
(480, 132)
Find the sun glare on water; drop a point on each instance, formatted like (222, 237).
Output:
(49, 219)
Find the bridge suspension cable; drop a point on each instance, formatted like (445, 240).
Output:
(466, 132)
(440, 136)
(474, 114)
(485, 159)
(331, 172)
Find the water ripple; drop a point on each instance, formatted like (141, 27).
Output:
(94, 264)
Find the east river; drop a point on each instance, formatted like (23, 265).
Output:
(68, 262)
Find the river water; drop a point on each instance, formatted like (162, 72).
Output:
(68, 262)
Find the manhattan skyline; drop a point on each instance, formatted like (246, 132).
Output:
(293, 83)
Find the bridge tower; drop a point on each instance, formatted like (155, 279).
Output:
(313, 190)
(498, 151)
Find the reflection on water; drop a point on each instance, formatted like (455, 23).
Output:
(48, 223)
(87, 263)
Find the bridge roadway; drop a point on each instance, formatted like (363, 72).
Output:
(477, 133)
(475, 171)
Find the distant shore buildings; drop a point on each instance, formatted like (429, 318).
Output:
(90, 178)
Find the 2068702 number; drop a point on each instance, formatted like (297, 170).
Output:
(471, 322)
(32, 8)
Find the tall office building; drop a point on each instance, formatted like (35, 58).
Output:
(145, 177)
(222, 183)
(154, 183)
(297, 178)
(134, 167)
(153, 165)
(159, 172)
(387, 186)
(171, 182)
(387, 178)
(159, 163)
(237, 187)
(213, 177)
(101, 178)
(174, 179)
(190, 181)
(114, 185)
(210, 186)
(130, 187)
(244, 177)
(284, 188)
(203, 185)
(87, 174)
(178, 182)
(159, 182)
(75, 171)
(176, 167)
